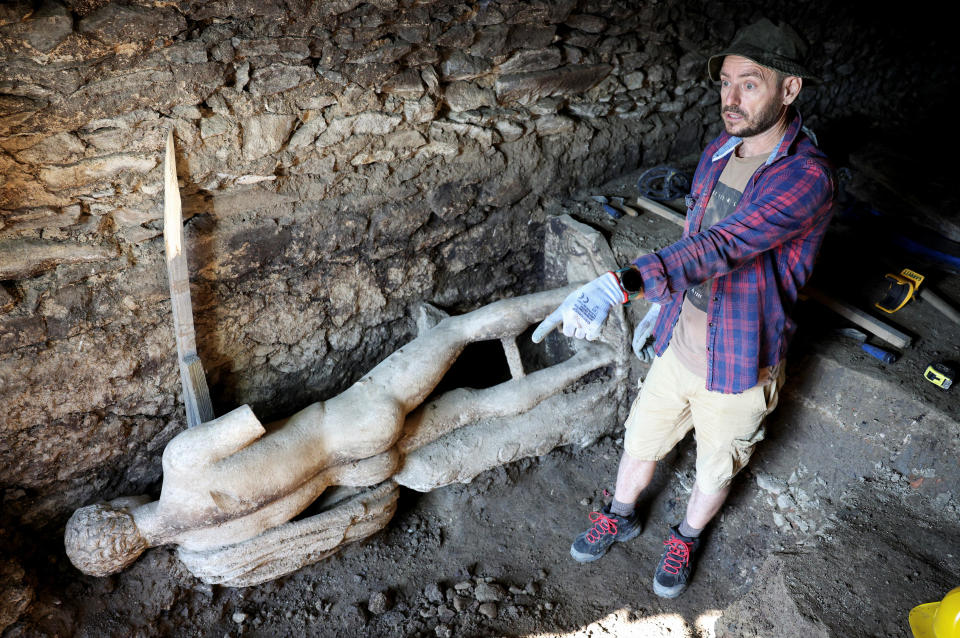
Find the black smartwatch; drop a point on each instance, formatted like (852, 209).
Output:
(631, 281)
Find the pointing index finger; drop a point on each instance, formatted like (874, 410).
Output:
(548, 324)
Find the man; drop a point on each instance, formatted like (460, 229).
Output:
(758, 209)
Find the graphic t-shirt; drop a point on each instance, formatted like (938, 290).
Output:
(690, 336)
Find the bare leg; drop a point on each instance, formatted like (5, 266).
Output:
(703, 507)
(633, 476)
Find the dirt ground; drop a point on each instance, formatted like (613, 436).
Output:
(845, 519)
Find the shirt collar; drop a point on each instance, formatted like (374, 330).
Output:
(778, 151)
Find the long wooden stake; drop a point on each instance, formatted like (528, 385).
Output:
(196, 395)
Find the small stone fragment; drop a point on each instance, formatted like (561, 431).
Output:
(379, 603)
(433, 593)
(771, 483)
(445, 614)
(488, 593)
(239, 617)
(489, 610)
(460, 603)
(785, 502)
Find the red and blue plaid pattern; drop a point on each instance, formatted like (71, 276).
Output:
(758, 257)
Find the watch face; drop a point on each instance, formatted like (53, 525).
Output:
(631, 280)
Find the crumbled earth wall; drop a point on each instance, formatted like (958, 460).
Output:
(339, 162)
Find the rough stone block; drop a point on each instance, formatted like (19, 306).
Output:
(554, 125)
(95, 170)
(265, 134)
(15, 592)
(461, 66)
(569, 80)
(530, 36)
(490, 43)
(44, 29)
(116, 23)
(587, 22)
(278, 77)
(22, 258)
(535, 60)
(375, 123)
(406, 84)
(306, 134)
(467, 96)
(60, 148)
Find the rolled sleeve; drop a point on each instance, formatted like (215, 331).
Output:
(789, 207)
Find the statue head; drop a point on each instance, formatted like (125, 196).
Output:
(103, 539)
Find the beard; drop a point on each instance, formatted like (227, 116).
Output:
(762, 121)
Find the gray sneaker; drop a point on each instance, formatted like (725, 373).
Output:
(676, 565)
(607, 528)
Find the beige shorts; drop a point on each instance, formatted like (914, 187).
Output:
(673, 400)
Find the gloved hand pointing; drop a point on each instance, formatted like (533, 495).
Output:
(585, 309)
(643, 332)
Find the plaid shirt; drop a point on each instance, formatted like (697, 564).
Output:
(758, 257)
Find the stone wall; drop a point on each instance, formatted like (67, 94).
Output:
(339, 161)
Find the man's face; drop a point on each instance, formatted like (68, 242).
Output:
(751, 98)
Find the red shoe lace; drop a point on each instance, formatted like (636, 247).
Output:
(604, 525)
(678, 549)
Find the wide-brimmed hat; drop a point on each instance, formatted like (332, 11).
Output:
(776, 46)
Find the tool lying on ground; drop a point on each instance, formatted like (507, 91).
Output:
(879, 353)
(940, 374)
(196, 395)
(614, 206)
(663, 183)
(904, 287)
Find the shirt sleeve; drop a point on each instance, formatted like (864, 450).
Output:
(792, 199)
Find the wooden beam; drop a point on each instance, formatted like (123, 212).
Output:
(661, 210)
(871, 324)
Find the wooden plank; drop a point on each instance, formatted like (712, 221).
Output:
(196, 394)
(871, 324)
(661, 210)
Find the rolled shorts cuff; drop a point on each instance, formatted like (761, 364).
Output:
(674, 400)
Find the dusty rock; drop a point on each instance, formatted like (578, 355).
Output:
(264, 134)
(22, 258)
(433, 593)
(488, 609)
(95, 170)
(379, 603)
(460, 603)
(466, 96)
(489, 593)
(529, 87)
(15, 592)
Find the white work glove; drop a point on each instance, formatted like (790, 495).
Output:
(585, 309)
(643, 333)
